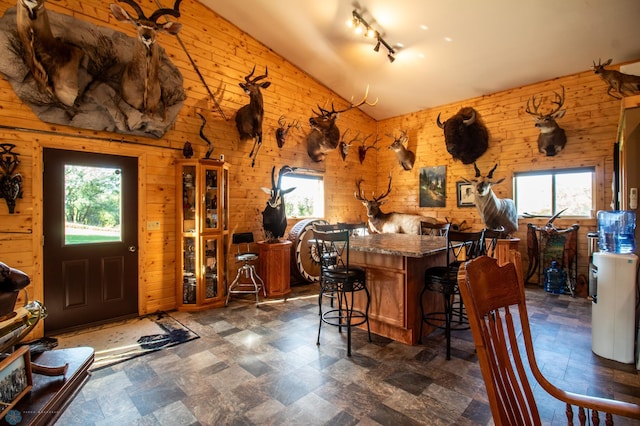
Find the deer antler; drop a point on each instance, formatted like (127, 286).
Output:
(358, 194)
(386, 193)
(352, 105)
(260, 77)
(362, 149)
(559, 101)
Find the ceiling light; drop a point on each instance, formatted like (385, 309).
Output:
(377, 48)
(361, 24)
(391, 57)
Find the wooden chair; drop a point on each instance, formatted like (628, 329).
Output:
(489, 292)
(434, 229)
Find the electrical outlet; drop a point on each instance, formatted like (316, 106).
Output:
(153, 225)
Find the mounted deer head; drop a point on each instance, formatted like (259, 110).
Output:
(53, 63)
(616, 80)
(249, 117)
(552, 138)
(406, 158)
(140, 86)
(325, 135)
(283, 129)
(362, 149)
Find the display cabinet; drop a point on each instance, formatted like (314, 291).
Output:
(202, 198)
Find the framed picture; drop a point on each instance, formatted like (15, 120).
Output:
(15, 379)
(466, 195)
(433, 186)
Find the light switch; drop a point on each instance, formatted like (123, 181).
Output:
(153, 225)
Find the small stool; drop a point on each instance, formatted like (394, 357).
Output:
(247, 270)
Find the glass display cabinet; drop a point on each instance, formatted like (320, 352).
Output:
(202, 198)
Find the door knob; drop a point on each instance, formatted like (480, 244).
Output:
(132, 249)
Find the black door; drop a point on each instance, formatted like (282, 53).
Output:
(90, 207)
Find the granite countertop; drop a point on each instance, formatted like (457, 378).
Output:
(399, 244)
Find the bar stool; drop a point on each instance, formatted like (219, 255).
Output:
(247, 270)
(339, 277)
(461, 246)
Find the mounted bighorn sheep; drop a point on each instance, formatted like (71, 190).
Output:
(552, 138)
(140, 85)
(616, 80)
(249, 117)
(406, 158)
(496, 213)
(53, 63)
(380, 223)
(465, 136)
(325, 135)
(282, 131)
(274, 216)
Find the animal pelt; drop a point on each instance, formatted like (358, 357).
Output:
(465, 136)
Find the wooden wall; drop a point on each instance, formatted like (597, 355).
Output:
(224, 55)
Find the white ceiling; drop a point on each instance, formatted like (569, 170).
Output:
(470, 47)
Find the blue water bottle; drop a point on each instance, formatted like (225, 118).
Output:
(554, 279)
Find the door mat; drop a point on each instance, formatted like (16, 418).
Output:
(123, 340)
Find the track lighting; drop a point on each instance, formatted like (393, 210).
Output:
(360, 25)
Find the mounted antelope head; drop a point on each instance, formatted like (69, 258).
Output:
(282, 131)
(552, 138)
(53, 63)
(465, 136)
(616, 80)
(140, 86)
(362, 149)
(496, 213)
(249, 117)
(406, 158)
(274, 217)
(325, 135)
(379, 222)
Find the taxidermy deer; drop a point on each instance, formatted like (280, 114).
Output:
(617, 80)
(140, 86)
(325, 135)
(274, 215)
(466, 138)
(283, 130)
(362, 149)
(406, 158)
(379, 222)
(552, 138)
(496, 213)
(249, 117)
(53, 63)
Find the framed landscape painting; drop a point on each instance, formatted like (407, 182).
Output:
(433, 186)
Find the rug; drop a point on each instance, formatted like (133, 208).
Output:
(123, 340)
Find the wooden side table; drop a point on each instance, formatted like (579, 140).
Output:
(274, 267)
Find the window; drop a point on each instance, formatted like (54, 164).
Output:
(546, 193)
(307, 200)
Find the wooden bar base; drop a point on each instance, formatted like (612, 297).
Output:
(274, 267)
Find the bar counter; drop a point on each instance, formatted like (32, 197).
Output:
(395, 265)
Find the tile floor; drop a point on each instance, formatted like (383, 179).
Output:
(262, 367)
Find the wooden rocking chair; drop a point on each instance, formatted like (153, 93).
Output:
(489, 291)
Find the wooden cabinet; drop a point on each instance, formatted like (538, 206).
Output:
(202, 195)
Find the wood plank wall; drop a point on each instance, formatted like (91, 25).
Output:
(224, 55)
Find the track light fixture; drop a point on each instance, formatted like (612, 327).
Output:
(361, 26)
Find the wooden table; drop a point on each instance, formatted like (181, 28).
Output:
(395, 265)
(50, 395)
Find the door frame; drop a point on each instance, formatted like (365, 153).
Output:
(115, 148)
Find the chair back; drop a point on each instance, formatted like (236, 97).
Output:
(358, 228)
(332, 247)
(463, 246)
(434, 229)
(490, 293)
(242, 238)
(490, 239)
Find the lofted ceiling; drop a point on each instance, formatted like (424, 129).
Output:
(452, 49)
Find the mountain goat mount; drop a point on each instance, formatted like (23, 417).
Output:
(552, 138)
(249, 117)
(324, 136)
(465, 136)
(75, 77)
(380, 223)
(496, 213)
(274, 215)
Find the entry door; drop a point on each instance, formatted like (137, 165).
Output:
(90, 211)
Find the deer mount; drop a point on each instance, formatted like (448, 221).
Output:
(99, 104)
(616, 80)
(552, 138)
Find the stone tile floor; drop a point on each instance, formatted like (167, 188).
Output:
(262, 367)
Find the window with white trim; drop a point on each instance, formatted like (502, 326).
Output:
(307, 200)
(545, 193)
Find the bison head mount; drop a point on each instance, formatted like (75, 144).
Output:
(465, 136)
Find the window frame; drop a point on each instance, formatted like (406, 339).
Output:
(304, 174)
(553, 173)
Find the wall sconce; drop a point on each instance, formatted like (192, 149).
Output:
(361, 26)
(10, 182)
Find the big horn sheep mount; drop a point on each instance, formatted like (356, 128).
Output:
(99, 104)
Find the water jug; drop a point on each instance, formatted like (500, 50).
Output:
(554, 279)
(616, 231)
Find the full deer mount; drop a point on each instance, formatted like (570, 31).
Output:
(616, 80)
(552, 138)
(249, 117)
(97, 101)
